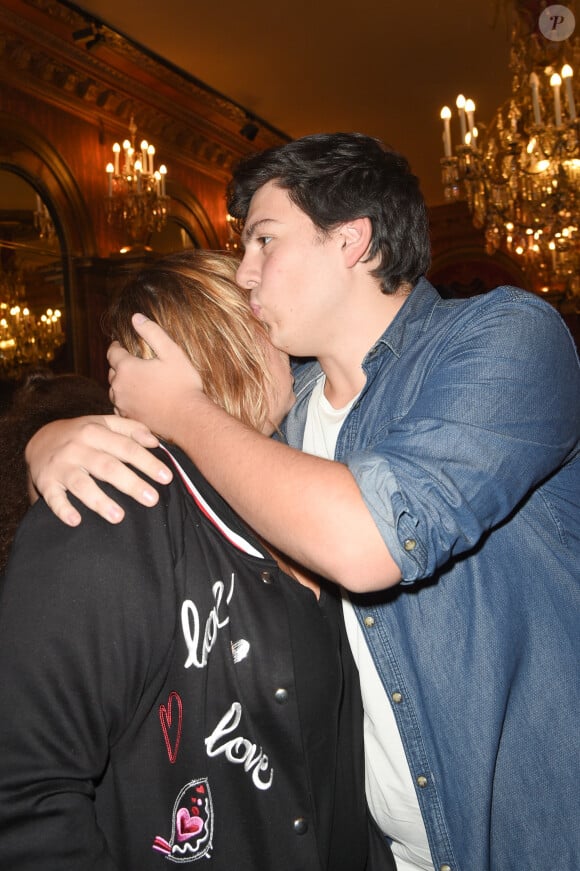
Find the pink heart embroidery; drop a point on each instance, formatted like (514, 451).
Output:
(187, 826)
(166, 719)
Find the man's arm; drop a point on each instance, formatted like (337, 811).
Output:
(307, 507)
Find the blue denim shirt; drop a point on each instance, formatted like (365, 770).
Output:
(465, 445)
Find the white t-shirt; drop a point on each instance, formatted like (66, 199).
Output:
(389, 786)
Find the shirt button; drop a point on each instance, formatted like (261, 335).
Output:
(281, 696)
(266, 577)
(397, 697)
(369, 621)
(409, 544)
(300, 826)
(422, 781)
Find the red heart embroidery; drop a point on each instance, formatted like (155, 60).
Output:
(166, 720)
(187, 826)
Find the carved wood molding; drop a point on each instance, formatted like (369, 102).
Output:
(38, 55)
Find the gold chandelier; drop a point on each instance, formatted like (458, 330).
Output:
(25, 338)
(521, 174)
(136, 201)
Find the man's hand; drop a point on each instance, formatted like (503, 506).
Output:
(68, 455)
(154, 391)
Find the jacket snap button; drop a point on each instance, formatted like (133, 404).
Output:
(300, 826)
(409, 544)
(281, 696)
(266, 577)
(397, 697)
(369, 621)
(422, 781)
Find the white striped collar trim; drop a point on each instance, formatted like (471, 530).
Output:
(233, 537)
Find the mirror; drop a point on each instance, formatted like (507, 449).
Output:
(32, 294)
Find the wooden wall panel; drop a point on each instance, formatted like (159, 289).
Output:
(61, 109)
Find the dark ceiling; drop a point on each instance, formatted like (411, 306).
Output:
(382, 68)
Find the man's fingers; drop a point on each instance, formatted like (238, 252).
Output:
(117, 445)
(133, 429)
(76, 455)
(86, 487)
(59, 504)
(90, 494)
(153, 334)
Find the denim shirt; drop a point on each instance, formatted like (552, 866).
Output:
(465, 445)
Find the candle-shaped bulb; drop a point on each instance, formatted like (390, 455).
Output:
(470, 111)
(110, 171)
(460, 103)
(445, 116)
(162, 173)
(116, 151)
(567, 73)
(555, 82)
(144, 147)
(535, 85)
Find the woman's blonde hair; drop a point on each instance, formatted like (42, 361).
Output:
(194, 297)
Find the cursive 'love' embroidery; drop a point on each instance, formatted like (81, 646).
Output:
(199, 645)
(240, 750)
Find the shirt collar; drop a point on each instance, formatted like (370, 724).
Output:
(411, 319)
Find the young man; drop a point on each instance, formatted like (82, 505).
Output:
(452, 514)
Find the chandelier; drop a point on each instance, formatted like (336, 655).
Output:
(136, 199)
(42, 221)
(25, 339)
(520, 174)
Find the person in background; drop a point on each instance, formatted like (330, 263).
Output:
(432, 468)
(172, 691)
(41, 397)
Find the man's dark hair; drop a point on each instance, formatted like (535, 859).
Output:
(338, 177)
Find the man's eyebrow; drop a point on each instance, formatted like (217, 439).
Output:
(250, 230)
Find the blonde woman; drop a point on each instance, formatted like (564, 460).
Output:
(170, 691)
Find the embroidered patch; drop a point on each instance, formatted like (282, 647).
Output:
(191, 825)
(171, 718)
(240, 649)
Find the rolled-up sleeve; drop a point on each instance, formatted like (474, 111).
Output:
(493, 410)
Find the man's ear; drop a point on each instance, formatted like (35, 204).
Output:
(355, 238)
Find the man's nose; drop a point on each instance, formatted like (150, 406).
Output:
(246, 274)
